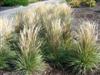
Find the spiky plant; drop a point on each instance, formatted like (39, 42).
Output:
(85, 56)
(5, 52)
(30, 59)
(56, 24)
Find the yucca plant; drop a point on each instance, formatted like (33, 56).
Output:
(85, 55)
(29, 58)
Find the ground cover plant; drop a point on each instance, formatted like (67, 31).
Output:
(31, 1)
(78, 3)
(44, 35)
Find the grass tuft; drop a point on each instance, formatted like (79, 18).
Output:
(30, 58)
(85, 56)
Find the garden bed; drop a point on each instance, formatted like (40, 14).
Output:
(79, 13)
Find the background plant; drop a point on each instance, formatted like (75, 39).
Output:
(78, 3)
(90, 3)
(31, 1)
(17, 2)
(1, 1)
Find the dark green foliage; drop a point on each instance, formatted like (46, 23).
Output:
(15, 2)
(68, 0)
(1, 2)
(78, 3)
(6, 56)
(32, 1)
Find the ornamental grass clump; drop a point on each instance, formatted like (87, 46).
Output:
(85, 55)
(19, 39)
(30, 58)
(5, 52)
(56, 33)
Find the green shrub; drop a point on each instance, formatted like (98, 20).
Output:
(22, 2)
(89, 3)
(1, 1)
(78, 3)
(32, 1)
(15, 2)
(75, 3)
(85, 55)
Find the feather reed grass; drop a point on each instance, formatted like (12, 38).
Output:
(30, 59)
(56, 32)
(85, 57)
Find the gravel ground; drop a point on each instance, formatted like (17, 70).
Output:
(5, 8)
